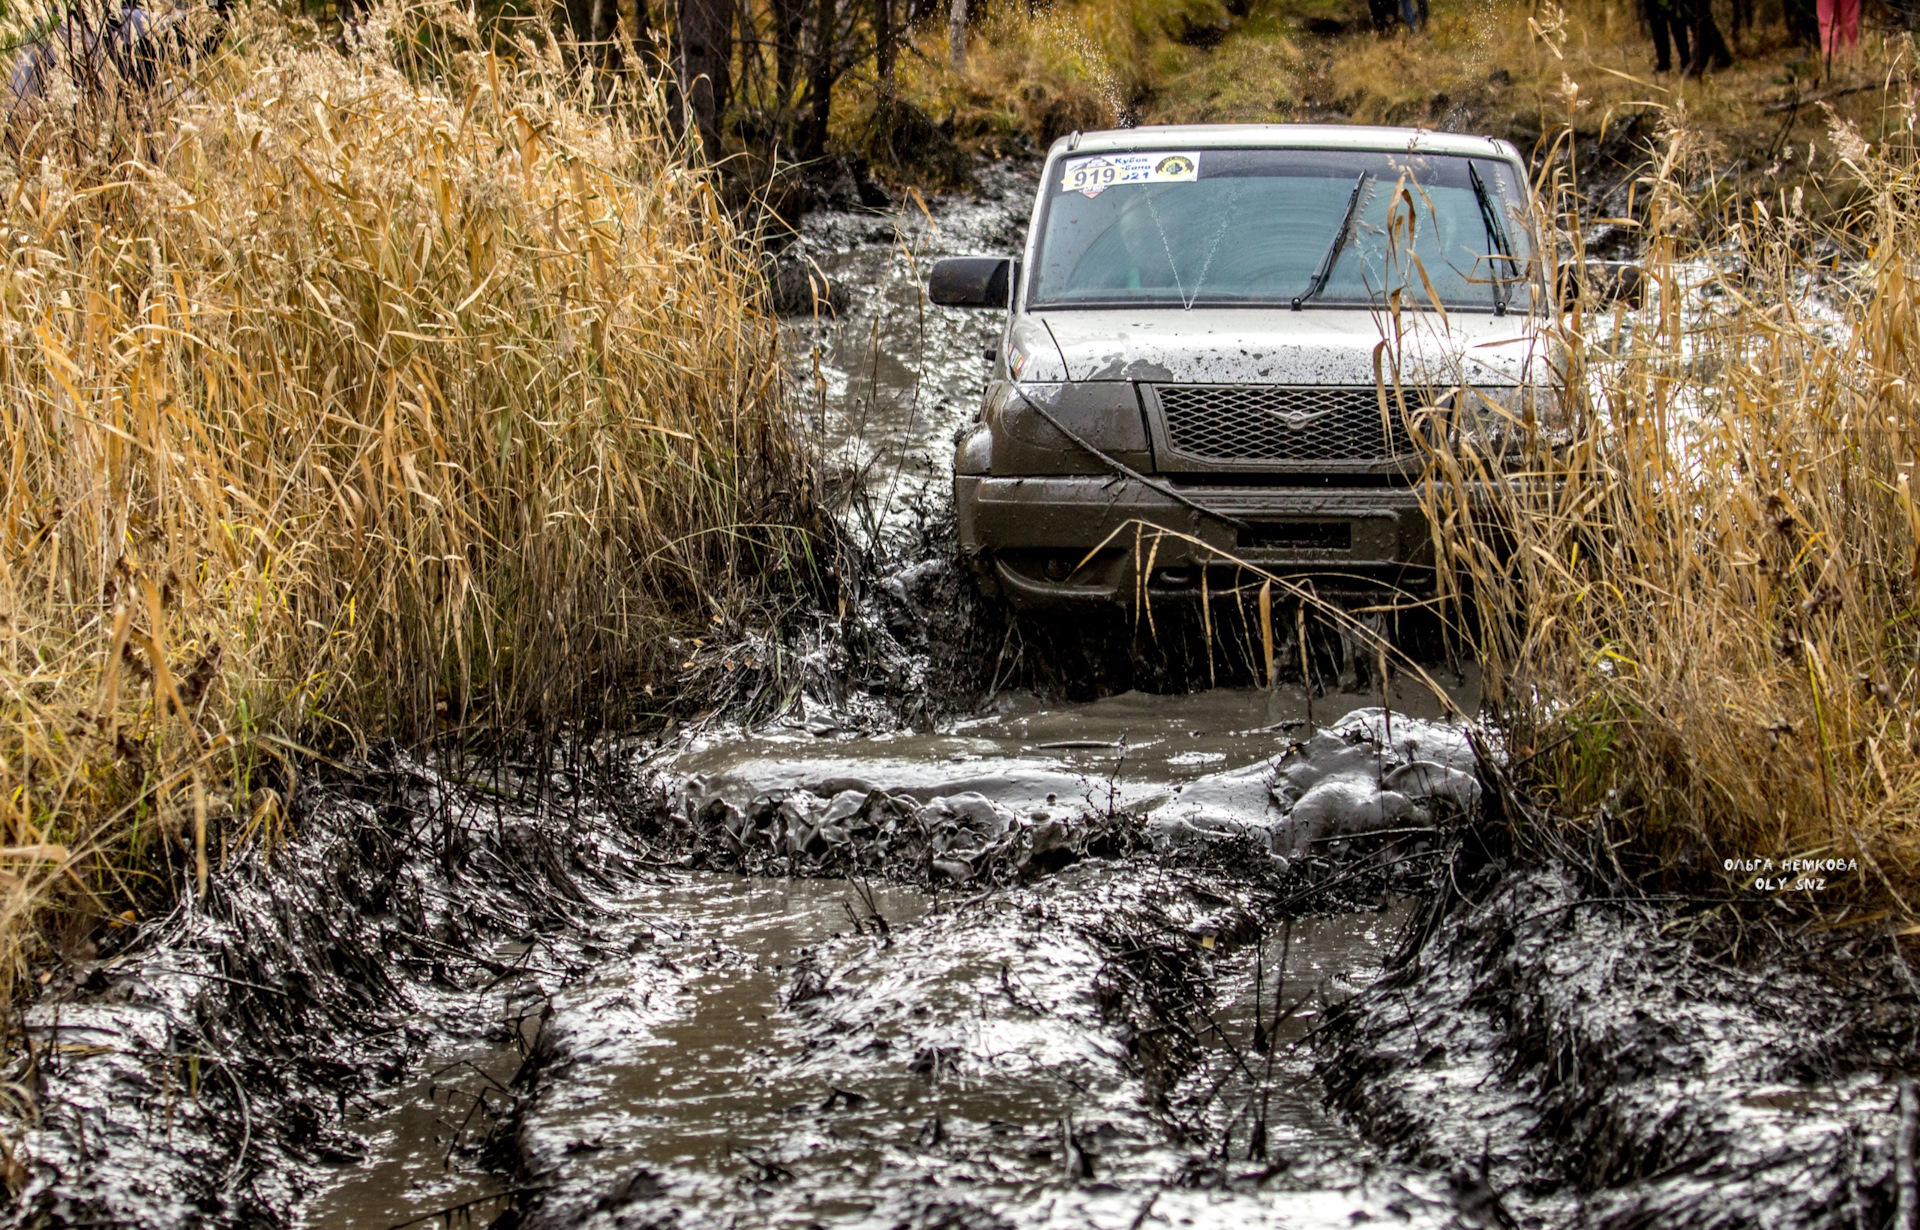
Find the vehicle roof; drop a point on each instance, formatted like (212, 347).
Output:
(1282, 136)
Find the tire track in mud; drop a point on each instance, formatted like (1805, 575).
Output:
(1041, 1054)
(199, 1069)
(1572, 1053)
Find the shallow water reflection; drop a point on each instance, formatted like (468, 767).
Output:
(762, 1057)
(1125, 751)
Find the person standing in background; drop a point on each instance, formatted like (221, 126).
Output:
(1708, 45)
(1669, 33)
(1839, 27)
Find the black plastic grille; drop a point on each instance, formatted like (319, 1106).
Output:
(1247, 422)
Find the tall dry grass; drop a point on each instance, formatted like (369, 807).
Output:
(344, 397)
(1698, 608)
(1036, 72)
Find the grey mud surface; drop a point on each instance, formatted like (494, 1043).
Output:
(955, 1068)
(851, 957)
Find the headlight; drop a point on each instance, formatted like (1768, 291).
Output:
(1104, 413)
(1031, 354)
(1501, 418)
(1015, 415)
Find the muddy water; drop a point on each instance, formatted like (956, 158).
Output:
(809, 1052)
(759, 1058)
(422, 1138)
(889, 377)
(1131, 751)
(813, 1052)
(803, 1052)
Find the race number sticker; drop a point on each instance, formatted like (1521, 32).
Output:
(1092, 176)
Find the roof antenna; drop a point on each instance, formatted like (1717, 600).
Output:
(1073, 142)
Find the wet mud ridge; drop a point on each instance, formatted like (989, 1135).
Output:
(204, 1068)
(1571, 1052)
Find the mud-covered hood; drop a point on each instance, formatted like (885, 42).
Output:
(1319, 346)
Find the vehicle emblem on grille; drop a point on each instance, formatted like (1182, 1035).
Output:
(1296, 420)
(1239, 423)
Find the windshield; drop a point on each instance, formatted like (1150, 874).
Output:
(1231, 227)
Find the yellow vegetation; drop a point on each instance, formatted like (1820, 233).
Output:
(1503, 67)
(346, 397)
(1700, 611)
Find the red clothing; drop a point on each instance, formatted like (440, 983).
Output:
(1839, 25)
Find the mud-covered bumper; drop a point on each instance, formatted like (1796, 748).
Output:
(1028, 537)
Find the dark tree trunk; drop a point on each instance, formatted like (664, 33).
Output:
(820, 77)
(883, 49)
(592, 24)
(704, 64)
(603, 25)
(789, 18)
(642, 27)
(580, 20)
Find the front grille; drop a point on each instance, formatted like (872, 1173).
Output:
(1246, 422)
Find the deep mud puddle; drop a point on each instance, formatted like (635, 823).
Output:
(818, 1052)
(813, 1052)
(1135, 751)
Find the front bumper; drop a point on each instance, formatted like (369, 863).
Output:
(1029, 537)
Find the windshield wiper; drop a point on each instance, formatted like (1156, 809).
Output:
(1490, 216)
(1332, 254)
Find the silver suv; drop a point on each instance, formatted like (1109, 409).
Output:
(1239, 333)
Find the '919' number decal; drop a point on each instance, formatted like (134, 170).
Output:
(1095, 175)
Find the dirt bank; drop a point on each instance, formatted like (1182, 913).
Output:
(199, 1069)
(1572, 1051)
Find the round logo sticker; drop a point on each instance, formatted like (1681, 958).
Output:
(1174, 165)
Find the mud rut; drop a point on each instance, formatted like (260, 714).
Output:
(903, 942)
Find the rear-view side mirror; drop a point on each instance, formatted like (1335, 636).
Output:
(1600, 283)
(973, 281)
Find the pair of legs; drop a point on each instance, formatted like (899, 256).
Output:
(1839, 26)
(1669, 34)
(1693, 31)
